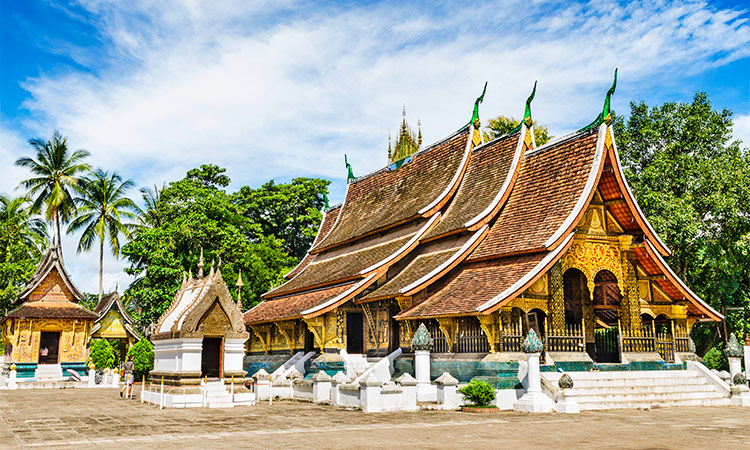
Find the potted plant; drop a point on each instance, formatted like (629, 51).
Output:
(480, 394)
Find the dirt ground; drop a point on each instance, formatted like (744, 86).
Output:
(82, 418)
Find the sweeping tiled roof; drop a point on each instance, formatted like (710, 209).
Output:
(487, 172)
(105, 305)
(51, 262)
(468, 288)
(329, 218)
(50, 310)
(291, 306)
(386, 198)
(550, 184)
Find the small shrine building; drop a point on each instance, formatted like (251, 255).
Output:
(49, 331)
(201, 335)
(481, 241)
(114, 323)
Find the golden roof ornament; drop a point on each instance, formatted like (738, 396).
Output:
(407, 142)
(239, 285)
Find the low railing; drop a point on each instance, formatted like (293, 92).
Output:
(511, 337)
(665, 346)
(439, 343)
(681, 340)
(570, 339)
(638, 340)
(471, 338)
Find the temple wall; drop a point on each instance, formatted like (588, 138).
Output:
(24, 335)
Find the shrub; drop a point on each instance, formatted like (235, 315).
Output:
(143, 358)
(478, 392)
(716, 359)
(102, 354)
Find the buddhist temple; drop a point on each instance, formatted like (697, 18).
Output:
(201, 335)
(49, 331)
(482, 241)
(114, 323)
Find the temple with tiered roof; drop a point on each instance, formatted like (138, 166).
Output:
(482, 241)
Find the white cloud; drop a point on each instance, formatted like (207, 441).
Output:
(741, 129)
(275, 90)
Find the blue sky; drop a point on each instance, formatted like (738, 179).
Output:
(281, 89)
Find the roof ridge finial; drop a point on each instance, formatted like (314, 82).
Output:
(606, 112)
(200, 265)
(184, 279)
(527, 112)
(350, 176)
(475, 115)
(403, 112)
(419, 136)
(190, 275)
(239, 285)
(211, 273)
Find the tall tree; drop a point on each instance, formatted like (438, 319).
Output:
(291, 212)
(693, 183)
(102, 206)
(149, 216)
(23, 239)
(501, 125)
(196, 212)
(56, 172)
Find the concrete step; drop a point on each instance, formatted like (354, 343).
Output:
(634, 374)
(651, 404)
(604, 390)
(656, 382)
(651, 397)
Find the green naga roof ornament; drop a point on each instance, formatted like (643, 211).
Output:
(527, 113)
(475, 116)
(606, 115)
(325, 201)
(350, 176)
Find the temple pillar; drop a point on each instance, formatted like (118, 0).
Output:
(491, 328)
(630, 307)
(556, 305)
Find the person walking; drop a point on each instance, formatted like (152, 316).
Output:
(128, 371)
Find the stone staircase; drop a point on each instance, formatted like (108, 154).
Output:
(642, 389)
(360, 363)
(48, 372)
(216, 395)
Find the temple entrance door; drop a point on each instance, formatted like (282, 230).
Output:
(354, 333)
(395, 339)
(606, 304)
(49, 345)
(309, 340)
(211, 357)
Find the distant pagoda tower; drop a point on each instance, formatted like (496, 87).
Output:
(407, 142)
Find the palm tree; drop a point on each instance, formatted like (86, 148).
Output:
(101, 208)
(56, 173)
(18, 226)
(150, 217)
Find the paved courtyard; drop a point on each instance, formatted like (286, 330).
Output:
(81, 418)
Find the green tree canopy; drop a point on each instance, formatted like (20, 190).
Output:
(23, 239)
(693, 183)
(56, 172)
(290, 212)
(196, 212)
(102, 207)
(501, 125)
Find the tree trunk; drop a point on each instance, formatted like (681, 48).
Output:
(101, 264)
(57, 223)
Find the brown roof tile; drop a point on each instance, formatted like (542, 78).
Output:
(325, 227)
(290, 306)
(329, 267)
(52, 310)
(485, 175)
(471, 285)
(386, 198)
(548, 187)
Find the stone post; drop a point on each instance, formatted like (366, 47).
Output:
(12, 384)
(421, 344)
(92, 378)
(369, 394)
(534, 400)
(747, 357)
(566, 397)
(446, 391)
(321, 390)
(734, 355)
(262, 385)
(408, 392)
(115, 378)
(338, 379)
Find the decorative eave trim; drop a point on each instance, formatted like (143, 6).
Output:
(449, 190)
(448, 265)
(341, 298)
(527, 280)
(588, 191)
(682, 287)
(406, 248)
(630, 200)
(505, 190)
